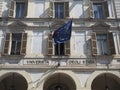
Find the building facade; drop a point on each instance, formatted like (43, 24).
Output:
(30, 60)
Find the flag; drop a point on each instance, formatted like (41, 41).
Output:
(63, 33)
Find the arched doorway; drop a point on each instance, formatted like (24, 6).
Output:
(13, 81)
(59, 81)
(106, 81)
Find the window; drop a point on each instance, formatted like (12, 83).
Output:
(58, 49)
(59, 9)
(18, 8)
(99, 9)
(15, 44)
(101, 45)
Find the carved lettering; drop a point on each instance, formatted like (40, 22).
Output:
(36, 62)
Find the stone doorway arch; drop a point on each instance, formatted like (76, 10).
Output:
(59, 81)
(13, 81)
(106, 81)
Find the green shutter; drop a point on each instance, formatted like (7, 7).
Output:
(111, 43)
(67, 48)
(50, 45)
(66, 8)
(91, 9)
(51, 9)
(94, 44)
(105, 9)
(6, 44)
(23, 44)
(11, 9)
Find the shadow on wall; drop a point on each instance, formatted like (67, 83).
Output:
(6, 12)
(87, 12)
(73, 5)
(45, 14)
(87, 48)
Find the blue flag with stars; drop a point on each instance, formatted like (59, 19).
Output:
(63, 33)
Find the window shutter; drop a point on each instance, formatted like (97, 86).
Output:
(91, 9)
(67, 48)
(26, 8)
(105, 9)
(111, 43)
(50, 45)
(66, 8)
(11, 9)
(51, 9)
(6, 44)
(94, 44)
(23, 44)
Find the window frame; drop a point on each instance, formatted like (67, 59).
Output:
(101, 15)
(12, 8)
(58, 5)
(13, 49)
(21, 14)
(8, 44)
(52, 9)
(110, 43)
(59, 49)
(104, 7)
(51, 47)
(101, 40)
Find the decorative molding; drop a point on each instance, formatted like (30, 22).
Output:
(100, 25)
(17, 24)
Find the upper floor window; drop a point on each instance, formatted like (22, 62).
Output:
(102, 44)
(18, 8)
(58, 49)
(59, 9)
(15, 44)
(99, 9)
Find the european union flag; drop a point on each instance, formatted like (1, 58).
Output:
(63, 33)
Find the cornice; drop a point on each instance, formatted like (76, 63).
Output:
(53, 19)
(47, 28)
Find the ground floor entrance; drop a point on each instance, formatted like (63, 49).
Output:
(13, 81)
(59, 81)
